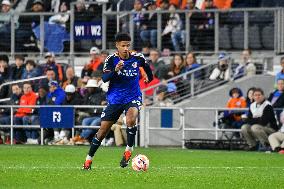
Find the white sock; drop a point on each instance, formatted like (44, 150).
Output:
(129, 148)
(89, 157)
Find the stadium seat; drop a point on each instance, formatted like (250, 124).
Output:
(267, 36)
(224, 38)
(238, 37)
(254, 37)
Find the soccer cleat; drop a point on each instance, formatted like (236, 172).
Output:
(125, 159)
(87, 165)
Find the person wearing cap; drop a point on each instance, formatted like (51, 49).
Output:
(51, 64)
(56, 94)
(162, 97)
(5, 18)
(94, 64)
(222, 71)
(94, 96)
(71, 78)
(17, 70)
(71, 98)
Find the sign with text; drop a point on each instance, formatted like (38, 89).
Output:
(88, 30)
(56, 117)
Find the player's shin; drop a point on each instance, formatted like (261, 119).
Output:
(131, 132)
(95, 144)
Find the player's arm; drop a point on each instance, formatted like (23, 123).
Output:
(109, 71)
(147, 69)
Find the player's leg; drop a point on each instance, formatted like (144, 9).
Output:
(109, 116)
(131, 117)
(96, 142)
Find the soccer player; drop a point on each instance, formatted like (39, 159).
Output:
(121, 69)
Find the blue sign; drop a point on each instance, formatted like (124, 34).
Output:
(88, 30)
(56, 117)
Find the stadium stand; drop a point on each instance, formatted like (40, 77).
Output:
(71, 28)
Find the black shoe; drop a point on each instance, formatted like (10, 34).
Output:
(125, 159)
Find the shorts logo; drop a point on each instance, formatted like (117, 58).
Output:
(134, 65)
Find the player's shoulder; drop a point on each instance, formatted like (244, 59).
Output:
(138, 55)
(111, 57)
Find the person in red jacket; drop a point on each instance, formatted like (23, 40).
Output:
(27, 99)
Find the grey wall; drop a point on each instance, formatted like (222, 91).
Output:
(204, 119)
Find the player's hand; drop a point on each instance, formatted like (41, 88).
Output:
(119, 66)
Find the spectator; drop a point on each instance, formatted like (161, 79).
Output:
(246, 67)
(4, 75)
(94, 96)
(120, 135)
(233, 118)
(145, 50)
(280, 75)
(104, 55)
(276, 140)
(51, 64)
(149, 26)
(249, 98)
(138, 18)
(97, 75)
(61, 18)
(5, 115)
(71, 78)
(17, 70)
(221, 72)
(177, 66)
(180, 4)
(144, 85)
(276, 98)
(31, 70)
(191, 62)
(260, 123)
(56, 94)
(95, 63)
(22, 114)
(24, 33)
(5, 18)
(174, 26)
(162, 97)
(157, 64)
(71, 98)
(50, 76)
(5, 24)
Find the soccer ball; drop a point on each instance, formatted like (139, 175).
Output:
(140, 163)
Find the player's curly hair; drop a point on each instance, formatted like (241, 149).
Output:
(122, 37)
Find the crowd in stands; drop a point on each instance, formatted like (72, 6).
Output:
(57, 27)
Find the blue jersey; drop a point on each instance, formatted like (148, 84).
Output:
(124, 84)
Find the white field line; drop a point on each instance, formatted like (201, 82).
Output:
(154, 168)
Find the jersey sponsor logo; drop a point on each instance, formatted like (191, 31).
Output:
(134, 64)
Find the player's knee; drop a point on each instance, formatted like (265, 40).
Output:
(130, 122)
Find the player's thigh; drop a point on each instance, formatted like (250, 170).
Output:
(132, 111)
(112, 113)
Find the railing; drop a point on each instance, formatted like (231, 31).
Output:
(232, 29)
(12, 126)
(184, 125)
(197, 81)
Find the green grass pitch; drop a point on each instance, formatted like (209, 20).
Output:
(60, 167)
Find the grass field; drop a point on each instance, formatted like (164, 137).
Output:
(60, 167)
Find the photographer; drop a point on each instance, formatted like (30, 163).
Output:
(222, 71)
